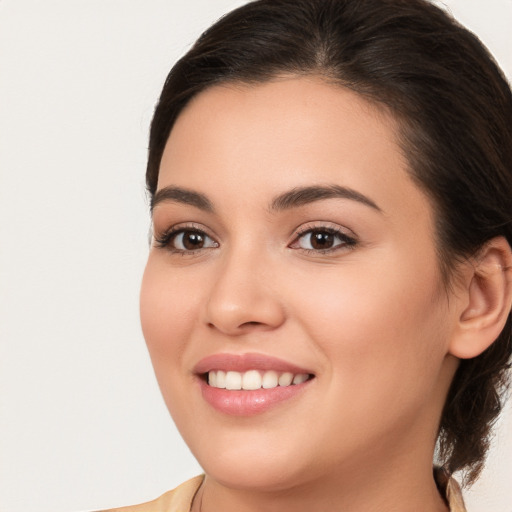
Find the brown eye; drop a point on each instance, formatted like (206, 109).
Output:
(322, 239)
(192, 240)
(189, 240)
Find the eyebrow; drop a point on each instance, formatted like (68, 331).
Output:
(304, 195)
(294, 198)
(183, 196)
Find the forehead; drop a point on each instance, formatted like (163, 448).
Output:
(299, 113)
(285, 133)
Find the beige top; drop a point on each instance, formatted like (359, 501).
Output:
(180, 499)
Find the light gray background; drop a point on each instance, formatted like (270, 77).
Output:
(82, 424)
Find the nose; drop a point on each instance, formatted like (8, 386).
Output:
(243, 296)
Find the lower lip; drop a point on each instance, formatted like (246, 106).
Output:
(249, 403)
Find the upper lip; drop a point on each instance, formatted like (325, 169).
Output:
(245, 362)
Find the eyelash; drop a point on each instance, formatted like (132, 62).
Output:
(165, 240)
(347, 242)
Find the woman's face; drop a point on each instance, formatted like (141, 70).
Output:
(290, 239)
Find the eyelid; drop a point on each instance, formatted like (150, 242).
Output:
(327, 225)
(346, 235)
(163, 238)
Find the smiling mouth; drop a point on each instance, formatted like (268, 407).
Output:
(246, 385)
(254, 379)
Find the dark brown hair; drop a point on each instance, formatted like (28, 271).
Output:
(454, 107)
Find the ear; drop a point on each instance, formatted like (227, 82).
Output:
(487, 299)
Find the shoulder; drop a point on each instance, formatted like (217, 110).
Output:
(177, 500)
(450, 489)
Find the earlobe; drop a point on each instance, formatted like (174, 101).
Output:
(488, 294)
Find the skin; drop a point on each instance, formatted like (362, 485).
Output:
(371, 320)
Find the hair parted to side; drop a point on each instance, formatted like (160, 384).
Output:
(454, 108)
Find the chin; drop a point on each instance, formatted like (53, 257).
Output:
(261, 475)
(245, 461)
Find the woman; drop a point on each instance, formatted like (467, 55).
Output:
(329, 287)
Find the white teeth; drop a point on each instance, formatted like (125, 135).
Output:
(300, 378)
(270, 380)
(233, 380)
(253, 379)
(220, 380)
(285, 379)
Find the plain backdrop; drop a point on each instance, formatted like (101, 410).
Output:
(82, 423)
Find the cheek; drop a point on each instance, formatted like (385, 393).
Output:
(382, 332)
(168, 313)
